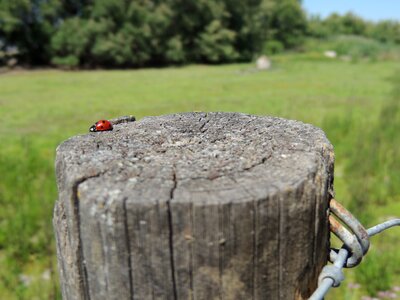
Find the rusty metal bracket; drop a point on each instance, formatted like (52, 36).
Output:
(356, 245)
(356, 241)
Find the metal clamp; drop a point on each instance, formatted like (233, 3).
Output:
(355, 246)
(333, 272)
(356, 241)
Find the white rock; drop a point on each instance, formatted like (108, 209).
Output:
(330, 54)
(46, 275)
(25, 279)
(263, 63)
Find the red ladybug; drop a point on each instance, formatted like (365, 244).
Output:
(102, 125)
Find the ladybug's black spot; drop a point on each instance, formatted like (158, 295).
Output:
(102, 127)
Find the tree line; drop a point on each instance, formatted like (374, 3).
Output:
(136, 33)
(386, 31)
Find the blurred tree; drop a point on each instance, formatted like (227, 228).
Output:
(216, 43)
(346, 24)
(74, 40)
(153, 32)
(386, 31)
(207, 34)
(316, 27)
(289, 23)
(352, 24)
(134, 33)
(28, 25)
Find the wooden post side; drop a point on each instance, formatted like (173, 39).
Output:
(194, 206)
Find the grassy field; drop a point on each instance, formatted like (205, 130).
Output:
(355, 103)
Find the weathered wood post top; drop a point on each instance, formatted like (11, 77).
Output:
(194, 206)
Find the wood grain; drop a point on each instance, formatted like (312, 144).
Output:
(194, 206)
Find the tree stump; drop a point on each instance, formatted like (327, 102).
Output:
(194, 206)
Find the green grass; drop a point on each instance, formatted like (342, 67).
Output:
(352, 102)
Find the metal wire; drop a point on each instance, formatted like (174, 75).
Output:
(332, 275)
(383, 226)
(326, 281)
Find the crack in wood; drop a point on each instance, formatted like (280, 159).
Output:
(59, 216)
(280, 256)
(202, 128)
(171, 233)
(82, 268)
(254, 247)
(128, 247)
(81, 264)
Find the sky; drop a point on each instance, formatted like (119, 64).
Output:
(373, 10)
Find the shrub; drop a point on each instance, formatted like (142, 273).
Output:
(273, 47)
(357, 47)
(68, 62)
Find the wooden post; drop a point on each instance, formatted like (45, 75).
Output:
(194, 206)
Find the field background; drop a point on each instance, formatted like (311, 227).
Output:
(355, 103)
